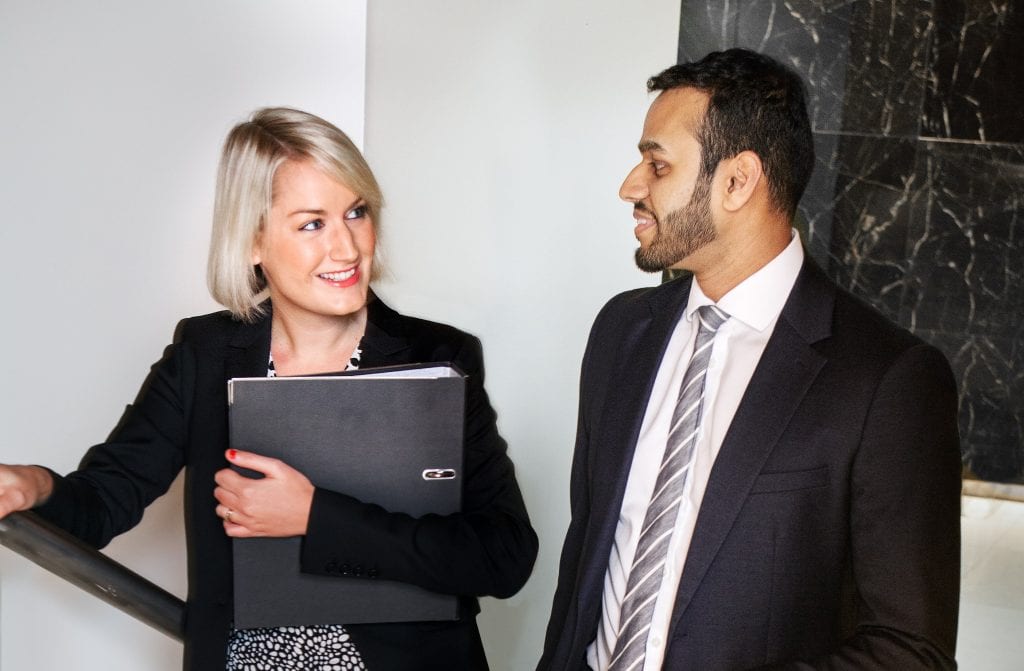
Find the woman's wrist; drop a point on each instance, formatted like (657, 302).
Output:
(42, 483)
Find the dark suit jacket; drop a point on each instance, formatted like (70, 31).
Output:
(828, 537)
(180, 420)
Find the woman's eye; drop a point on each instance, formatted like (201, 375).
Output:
(314, 225)
(356, 213)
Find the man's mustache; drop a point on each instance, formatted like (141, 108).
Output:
(641, 208)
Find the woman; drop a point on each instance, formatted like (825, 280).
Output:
(291, 257)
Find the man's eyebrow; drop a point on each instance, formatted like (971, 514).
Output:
(649, 145)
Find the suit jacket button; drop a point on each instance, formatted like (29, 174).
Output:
(346, 569)
(358, 570)
(372, 573)
(331, 567)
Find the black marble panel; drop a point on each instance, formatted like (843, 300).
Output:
(917, 201)
(990, 372)
(976, 76)
(880, 47)
(814, 214)
(875, 190)
(886, 74)
(966, 254)
(812, 36)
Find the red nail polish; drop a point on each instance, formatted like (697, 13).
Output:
(232, 454)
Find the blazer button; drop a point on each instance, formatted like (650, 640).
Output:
(358, 570)
(346, 569)
(331, 567)
(372, 573)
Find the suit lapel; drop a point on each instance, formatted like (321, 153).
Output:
(613, 439)
(787, 368)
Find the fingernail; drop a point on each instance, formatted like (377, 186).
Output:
(232, 454)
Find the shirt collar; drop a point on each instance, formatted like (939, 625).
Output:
(758, 300)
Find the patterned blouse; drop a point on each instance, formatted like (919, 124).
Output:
(322, 647)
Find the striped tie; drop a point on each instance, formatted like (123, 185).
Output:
(649, 562)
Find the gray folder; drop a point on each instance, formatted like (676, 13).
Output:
(389, 436)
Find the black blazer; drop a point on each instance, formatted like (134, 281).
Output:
(829, 530)
(180, 420)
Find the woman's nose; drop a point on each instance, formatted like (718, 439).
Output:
(342, 244)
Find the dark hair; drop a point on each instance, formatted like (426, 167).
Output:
(757, 104)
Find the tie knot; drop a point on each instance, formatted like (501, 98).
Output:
(711, 317)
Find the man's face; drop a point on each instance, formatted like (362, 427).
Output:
(671, 198)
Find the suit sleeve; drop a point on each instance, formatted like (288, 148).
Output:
(486, 549)
(117, 479)
(905, 524)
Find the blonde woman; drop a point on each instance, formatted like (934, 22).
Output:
(292, 258)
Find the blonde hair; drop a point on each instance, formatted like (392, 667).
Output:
(253, 151)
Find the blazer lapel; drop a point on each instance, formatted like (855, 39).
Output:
(249, 348)
(613, 439)
(787, 368)
(382, 345)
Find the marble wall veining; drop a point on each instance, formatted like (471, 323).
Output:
(917, 201)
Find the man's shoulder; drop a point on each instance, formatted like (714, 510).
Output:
(858, 320)
(828, 313)
(646, 299)
(868, 340)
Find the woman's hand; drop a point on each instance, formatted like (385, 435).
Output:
(23, 487)
(276, 505)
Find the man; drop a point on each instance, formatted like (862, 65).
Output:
(766, 472)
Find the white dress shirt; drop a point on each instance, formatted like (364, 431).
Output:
(754, 307)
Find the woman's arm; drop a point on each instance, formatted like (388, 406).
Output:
(117, 479)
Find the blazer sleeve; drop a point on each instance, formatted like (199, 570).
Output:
(905, 524)
(117, 479)
(488, 548)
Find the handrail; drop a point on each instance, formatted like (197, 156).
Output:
(66, 556)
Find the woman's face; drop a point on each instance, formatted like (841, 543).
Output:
(316, 249)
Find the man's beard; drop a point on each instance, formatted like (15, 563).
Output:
(681, 233)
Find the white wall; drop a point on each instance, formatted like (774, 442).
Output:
(111, 121)
(992, 586)
(500, 133)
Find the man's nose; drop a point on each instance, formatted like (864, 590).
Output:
(634, 187)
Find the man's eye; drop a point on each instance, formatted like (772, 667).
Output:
(314, 225)
(356, 213)
(657, 166)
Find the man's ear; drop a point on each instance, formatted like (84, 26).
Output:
(742, 173)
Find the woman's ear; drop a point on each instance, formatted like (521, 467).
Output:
(256, 245)
(744, 173)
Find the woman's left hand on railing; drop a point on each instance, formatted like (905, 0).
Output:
(23, 487)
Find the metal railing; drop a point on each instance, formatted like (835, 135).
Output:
(64, 555)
